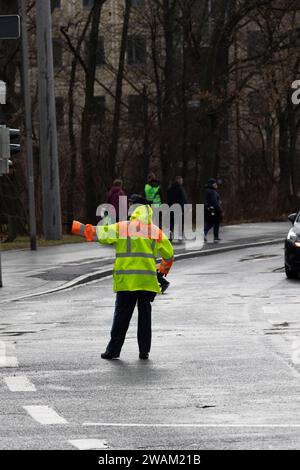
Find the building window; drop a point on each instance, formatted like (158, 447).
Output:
(55, 4)
(87, 3)
(136, 110)
(256, 44)
(98, 109)
(289, 39)
(137, 3)
(57, 53)
(136, 50)
(216, 7)
(59, 106)
(257, 103)
(100, 54)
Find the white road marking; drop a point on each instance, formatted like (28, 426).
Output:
(7, 361)
(28, 314)
(44, 415)
(296, 351)
(271, 309)
(89, 444)
(187, 425)
(19, 384)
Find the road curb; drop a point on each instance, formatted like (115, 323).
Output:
(107, 272)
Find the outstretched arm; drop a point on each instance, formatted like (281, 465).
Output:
(107, 234)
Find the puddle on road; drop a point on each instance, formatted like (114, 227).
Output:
(52, 323)
(281, 325)
(280, 332)
(205, 407)
(258, 257)
(283, 328)
(205, 274)
(19, 333)
(242, 296)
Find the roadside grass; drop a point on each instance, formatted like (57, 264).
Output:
(22, 243)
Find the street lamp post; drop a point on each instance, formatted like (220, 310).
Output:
(48, 133)
(28, 129)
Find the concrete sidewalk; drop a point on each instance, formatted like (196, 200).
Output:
(26, 272)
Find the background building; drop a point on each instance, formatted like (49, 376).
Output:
(197, 87)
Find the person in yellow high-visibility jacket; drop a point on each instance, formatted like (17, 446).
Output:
(137, 242)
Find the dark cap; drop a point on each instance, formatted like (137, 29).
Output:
(138, 199)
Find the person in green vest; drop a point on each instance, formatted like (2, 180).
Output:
(153, 191)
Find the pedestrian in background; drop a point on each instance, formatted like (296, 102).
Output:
(152, 191)
(113, 196)
(212, 210)
(176, 195)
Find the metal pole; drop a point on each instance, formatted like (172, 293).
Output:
(1, 283)
(48, 134)
(28, 129)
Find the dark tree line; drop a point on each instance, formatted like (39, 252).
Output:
(200, 88)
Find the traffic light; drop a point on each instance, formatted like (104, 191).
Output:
(8, 149)
(4, 150)
(14, 148)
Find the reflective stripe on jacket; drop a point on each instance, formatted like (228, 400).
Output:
(137, 244)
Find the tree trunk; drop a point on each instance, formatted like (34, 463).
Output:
(114, 144)
(284, 180)
(168, 99)
(86, 155)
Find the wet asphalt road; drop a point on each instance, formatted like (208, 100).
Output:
(224, 371)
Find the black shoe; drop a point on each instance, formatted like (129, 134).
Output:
(144, 356)
(109, 356)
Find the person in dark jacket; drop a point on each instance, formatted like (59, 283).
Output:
(114, 194)
(176, 195)
(212, 209)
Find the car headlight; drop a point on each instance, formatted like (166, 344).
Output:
(293, 236)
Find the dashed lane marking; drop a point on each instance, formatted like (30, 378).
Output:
(7, 361)
(269, 309)
(28, 314)
(89, 444)
(19, 384)
(44, 415)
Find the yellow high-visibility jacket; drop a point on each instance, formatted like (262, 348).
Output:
(137, 243)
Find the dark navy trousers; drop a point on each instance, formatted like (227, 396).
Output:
(125, 305)
(215, 225)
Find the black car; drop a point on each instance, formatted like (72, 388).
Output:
(292, 248)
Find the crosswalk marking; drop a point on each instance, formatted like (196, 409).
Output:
(44, 415)
(89, 444)
(19, 384)
(271, 309)
(7, 361)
